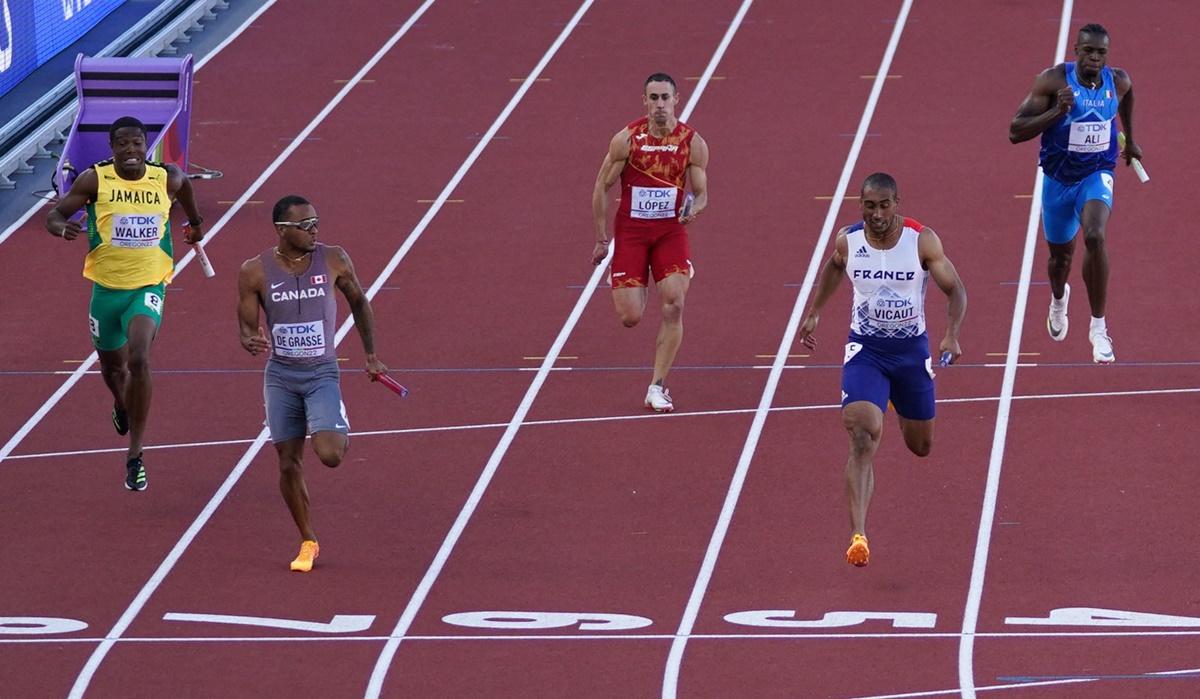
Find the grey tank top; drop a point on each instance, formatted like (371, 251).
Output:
(301, 311)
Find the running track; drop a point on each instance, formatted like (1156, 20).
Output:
(609, 546)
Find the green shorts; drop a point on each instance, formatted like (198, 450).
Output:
(112, 309)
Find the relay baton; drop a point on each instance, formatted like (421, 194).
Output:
(204, 263)
(687, 205)
(946, 359)
(1136, 163)
(392, 385)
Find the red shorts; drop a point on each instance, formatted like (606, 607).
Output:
(663, 250)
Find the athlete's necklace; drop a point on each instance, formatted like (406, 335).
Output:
(291, 259)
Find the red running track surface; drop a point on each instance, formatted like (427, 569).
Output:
(587, 542)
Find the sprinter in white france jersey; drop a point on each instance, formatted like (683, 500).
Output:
(889, 260)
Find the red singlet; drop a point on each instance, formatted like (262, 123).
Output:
(648, 235)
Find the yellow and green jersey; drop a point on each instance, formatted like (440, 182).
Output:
(129, 229)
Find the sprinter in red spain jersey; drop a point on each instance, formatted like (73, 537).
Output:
(655, 158)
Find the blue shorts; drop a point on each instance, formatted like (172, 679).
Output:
(881, 369)
(1062, 203)
(302, 399)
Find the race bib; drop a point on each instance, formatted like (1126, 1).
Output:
(652, 202)
(1089, 136)
(154, 302)
(136, 230)
(299, 339)
(852, 348)
(891, 311)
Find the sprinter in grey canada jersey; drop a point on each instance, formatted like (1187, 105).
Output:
(293, 284)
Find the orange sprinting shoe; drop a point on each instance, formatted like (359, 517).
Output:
(308, 554)
(859, 552)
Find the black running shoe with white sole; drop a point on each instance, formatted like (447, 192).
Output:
(135, 474)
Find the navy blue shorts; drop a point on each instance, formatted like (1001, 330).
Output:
(881, 369)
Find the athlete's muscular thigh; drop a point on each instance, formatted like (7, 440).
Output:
(671, 254)
(630, 260)
(918, 435)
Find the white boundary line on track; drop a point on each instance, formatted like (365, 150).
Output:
(23, 218)
(966, 644)
(692, 610)
(384, 661)
(491, 638)
(614, 418)
(160, 574)
(1022, 685)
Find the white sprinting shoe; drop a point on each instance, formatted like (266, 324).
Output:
(1056, 322)
(1102, 348)
(658, 399)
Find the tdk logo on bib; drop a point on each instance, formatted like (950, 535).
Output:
(136, 230)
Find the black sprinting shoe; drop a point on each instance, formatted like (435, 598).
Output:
(135, 474)
(120, 421)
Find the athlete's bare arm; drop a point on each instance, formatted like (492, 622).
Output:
(827, 283)
(933, 259)
(1050, 98)
(83, 190)
(1125, 109)
(250, 283)
(360, 306)
(697, 173)
(180, 187)
(610, 172)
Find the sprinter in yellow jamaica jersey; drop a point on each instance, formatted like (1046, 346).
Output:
(130, 262)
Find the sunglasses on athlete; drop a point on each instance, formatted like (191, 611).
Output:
(305, 225)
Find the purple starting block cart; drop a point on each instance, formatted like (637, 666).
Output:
(158, 91)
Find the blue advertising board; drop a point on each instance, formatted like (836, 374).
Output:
(34, 31)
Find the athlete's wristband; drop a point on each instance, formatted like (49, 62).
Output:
(196, 222)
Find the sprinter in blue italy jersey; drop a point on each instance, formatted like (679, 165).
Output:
(1073, 106)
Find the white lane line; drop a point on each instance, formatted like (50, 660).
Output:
(216, 229)
(127, 617)
(384, 661)
(778, 636)
(688, 621)
(16, 225)
(966, 645)
(613, 418)
(1166, 674)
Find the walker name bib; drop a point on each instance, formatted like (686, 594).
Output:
(1089, 136)
(652, 202)
(299, 339)
(136, 230)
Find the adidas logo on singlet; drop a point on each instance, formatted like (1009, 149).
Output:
(862, 252)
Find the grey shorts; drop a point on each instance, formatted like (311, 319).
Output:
(303, 399)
